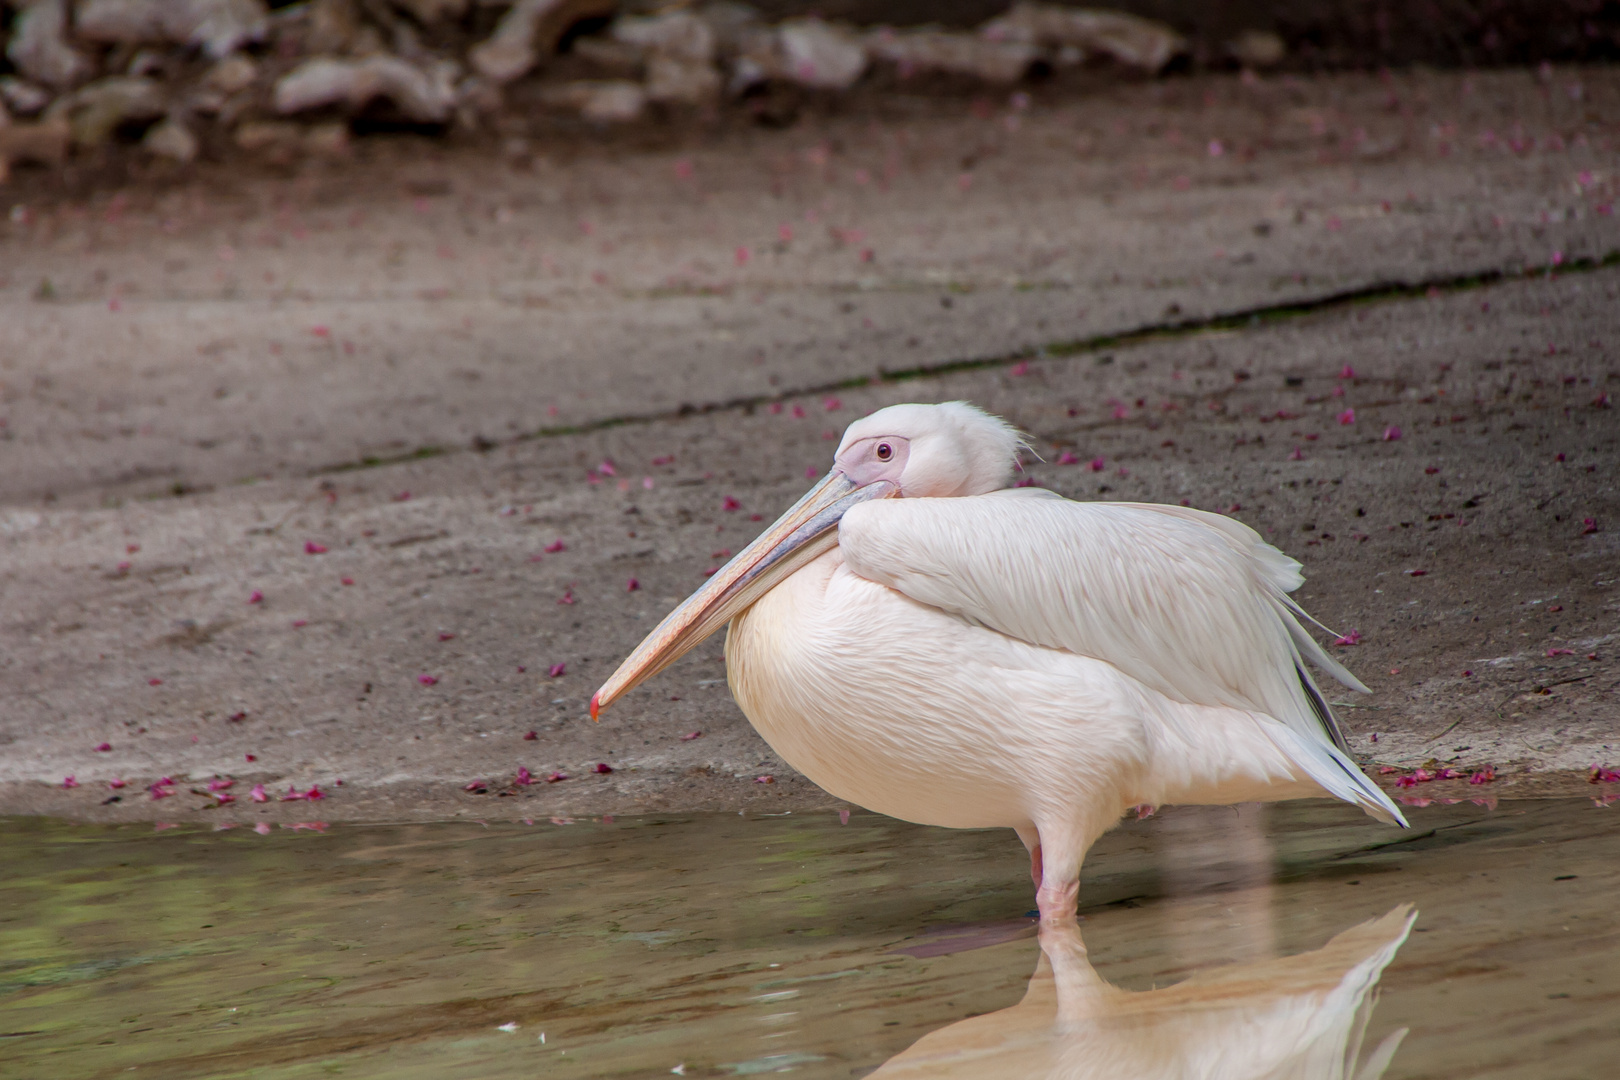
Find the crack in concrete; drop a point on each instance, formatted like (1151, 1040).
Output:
(1244, 319)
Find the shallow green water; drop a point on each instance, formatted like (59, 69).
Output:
(732, 945)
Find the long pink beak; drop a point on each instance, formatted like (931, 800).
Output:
(809, 528)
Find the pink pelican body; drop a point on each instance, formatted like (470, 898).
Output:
(920, 638)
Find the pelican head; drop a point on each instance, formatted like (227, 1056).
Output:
(917, 451)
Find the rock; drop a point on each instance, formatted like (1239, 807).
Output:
(1138, 42)
(607, 101)
(613, 57)
(680, 49)
(425, 93)
(171, 139)
(679, 34)
(530, 29)
(261, 135)
(44, 143)
(219, 27)
(1257, 49)
(730, 23)
(231, 75)
(23, 98)
(94, 111)
(811, 53)
(962, 54)
(683, 82)
(39, 46)
(334, 26)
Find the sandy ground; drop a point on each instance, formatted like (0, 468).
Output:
(419, 359)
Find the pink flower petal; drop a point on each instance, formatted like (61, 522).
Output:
(690, 735)
(556, 777)
(154, 682)
(1588, 526)
(1392, 433)
(1560, 652)
(558, 670)
(532, 736)
(255, 597)
(632, 585)
(764, 779)
(1352, 638)
(220, 784)
(1347, 417)
(427, 680)
(102, 748)
(524, 777)
(1347, 372)
(69, 782)
(730, 503)
(556, 546)
(567, 597)
(1098, 464)
(312, 548)
(262, 828)
(602, 767)
(1068, 457)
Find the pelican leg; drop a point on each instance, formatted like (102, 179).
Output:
(1060, 852)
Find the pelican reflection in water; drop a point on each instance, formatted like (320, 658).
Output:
(1296, 1018)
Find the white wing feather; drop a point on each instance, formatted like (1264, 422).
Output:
(1192, 604)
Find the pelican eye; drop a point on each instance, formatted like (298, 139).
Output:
(884, 451)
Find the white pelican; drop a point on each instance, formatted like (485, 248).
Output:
(1297, 1018)
(919, 637)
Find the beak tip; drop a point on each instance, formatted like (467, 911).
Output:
(596, 705)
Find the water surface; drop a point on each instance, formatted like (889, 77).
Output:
(729, 945)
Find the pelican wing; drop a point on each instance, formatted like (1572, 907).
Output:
(1192, 604)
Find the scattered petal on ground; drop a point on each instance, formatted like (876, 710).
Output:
(312, 548)
(690, 735)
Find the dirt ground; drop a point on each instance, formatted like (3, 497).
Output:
(276, 444)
